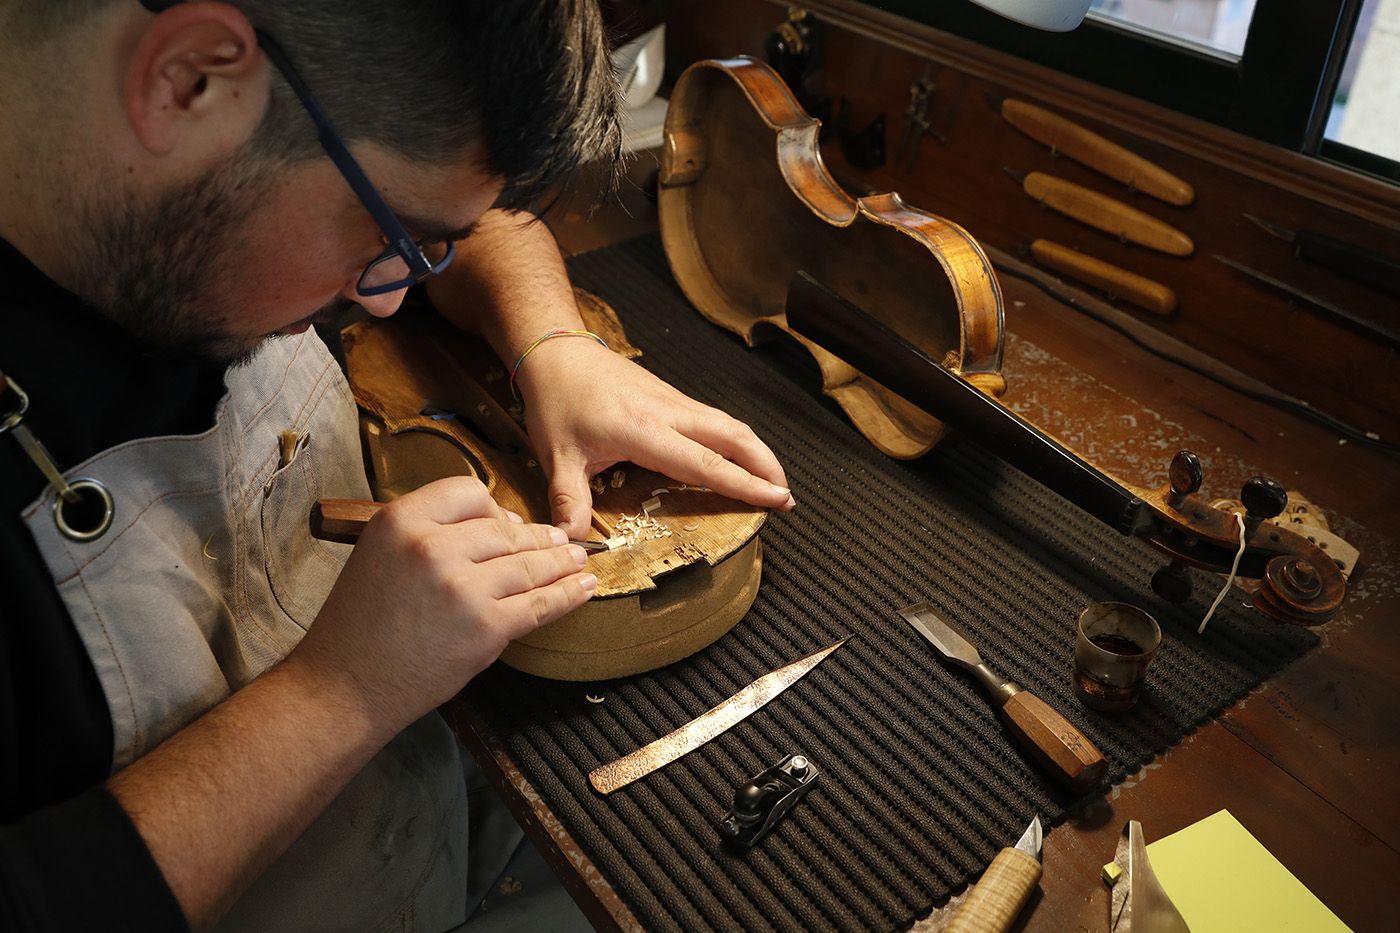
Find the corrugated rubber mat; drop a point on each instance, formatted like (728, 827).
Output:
(919, 785)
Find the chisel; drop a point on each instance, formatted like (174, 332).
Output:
(1056, 746)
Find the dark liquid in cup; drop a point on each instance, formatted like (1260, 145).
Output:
(1117, 644)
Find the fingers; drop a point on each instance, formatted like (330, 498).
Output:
(570, 499)
(448, 501)
(530, 570)
(736, 441)
(527, 611)
(697, 465)
(486, 539)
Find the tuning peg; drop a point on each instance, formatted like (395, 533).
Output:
(1185, 475)
(1263, 499)
(1172, 582)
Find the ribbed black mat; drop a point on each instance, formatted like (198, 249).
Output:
(920, 786)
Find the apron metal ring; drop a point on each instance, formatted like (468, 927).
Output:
(89, 516)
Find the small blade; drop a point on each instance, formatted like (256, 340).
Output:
(949, 641)
(703, 728)
(1283, 233)
(1029, 842)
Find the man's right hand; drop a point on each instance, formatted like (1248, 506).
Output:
(442, 579)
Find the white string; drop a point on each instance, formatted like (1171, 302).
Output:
(1230, 581)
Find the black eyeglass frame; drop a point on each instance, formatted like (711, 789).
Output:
(401, 244)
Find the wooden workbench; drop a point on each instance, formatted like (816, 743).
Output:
(1306, 762)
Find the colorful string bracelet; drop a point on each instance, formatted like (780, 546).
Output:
(549, 335)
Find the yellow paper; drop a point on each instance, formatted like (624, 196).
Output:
(1222, 879)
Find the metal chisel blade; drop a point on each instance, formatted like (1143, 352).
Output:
(1030, 840)
(704, 727)
(949, 641)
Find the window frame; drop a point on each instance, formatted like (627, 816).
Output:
(1279, 90)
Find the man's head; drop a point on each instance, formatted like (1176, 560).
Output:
(210, 215)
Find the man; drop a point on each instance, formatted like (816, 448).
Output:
(171, 195)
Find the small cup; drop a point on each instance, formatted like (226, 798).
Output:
(1116, 643)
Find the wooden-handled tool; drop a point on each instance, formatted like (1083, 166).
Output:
(1104, 213)
(1002, 891)
(1065, 137)
(344, 520)
(1140, 290)
(1053, 742)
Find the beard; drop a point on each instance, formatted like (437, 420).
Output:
(158, 269)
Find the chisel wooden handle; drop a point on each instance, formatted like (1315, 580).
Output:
(1107, 214)
(1000, 894)
(1098, 153)
(1141, 291)
(1060, 749)
(342, 520)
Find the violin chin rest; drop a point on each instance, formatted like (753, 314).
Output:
(630, 634)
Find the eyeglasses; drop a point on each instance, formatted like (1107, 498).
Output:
(405, 261)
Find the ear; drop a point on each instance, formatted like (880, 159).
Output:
(196, 81)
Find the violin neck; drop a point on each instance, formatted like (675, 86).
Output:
(844, 329)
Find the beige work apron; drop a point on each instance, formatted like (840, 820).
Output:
(207, 577)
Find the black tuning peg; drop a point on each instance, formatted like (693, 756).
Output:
(1263, 499)
(1185, 475)
(1172, 582)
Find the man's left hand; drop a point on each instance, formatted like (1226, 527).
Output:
(587, 408)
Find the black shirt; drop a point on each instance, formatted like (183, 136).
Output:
(69, 856)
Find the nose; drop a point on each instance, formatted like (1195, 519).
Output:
(378, 305)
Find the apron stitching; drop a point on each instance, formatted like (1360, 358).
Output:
(107, 541)
(281, 384)
(138, 733)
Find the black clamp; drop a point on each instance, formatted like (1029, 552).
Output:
(766, 799)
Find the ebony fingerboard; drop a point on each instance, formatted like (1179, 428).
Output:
(919, 785)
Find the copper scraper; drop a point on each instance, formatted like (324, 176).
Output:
(701, 729)
(1061, 750)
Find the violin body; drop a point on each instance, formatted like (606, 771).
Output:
(435, 402)
(746, 201)
(903, 313)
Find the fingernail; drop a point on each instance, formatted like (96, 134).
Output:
(515, 517)
(588, 581)
(579, 554)
(780, 490)
(558, 536)
(790, 504)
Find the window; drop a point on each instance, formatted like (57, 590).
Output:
(1271, 69)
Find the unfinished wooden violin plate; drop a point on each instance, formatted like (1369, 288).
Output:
(435, 402)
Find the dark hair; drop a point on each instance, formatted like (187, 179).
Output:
(530, 81)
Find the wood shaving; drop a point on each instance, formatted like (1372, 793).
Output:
(639, 528)
(618, 478)
(597, 485)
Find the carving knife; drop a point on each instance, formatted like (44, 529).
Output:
(1000, 894)
(704, 727)
(1065, 137)
(1053, 742)
(1140, 290)
(1104, 213)
(1346, 259)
